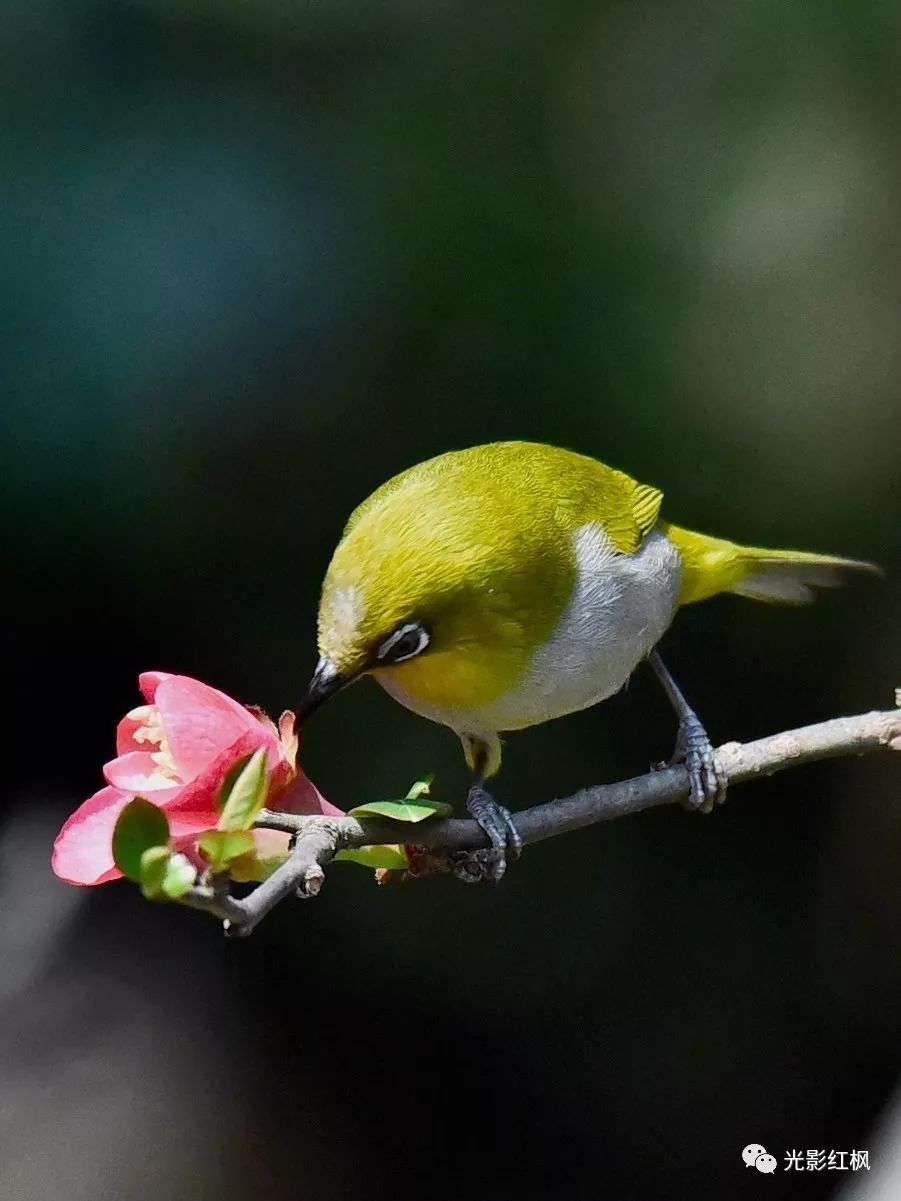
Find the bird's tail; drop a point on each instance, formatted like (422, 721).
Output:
(786, 577)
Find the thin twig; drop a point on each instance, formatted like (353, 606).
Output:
(317, 839)
(300, 874)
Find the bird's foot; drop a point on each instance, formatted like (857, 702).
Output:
(506, 845)
(707, 780)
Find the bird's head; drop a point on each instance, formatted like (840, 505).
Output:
(427, 590)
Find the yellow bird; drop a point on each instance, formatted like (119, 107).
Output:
(498, 587)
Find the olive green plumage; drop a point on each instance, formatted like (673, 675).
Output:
(478, 544)
(517, 557)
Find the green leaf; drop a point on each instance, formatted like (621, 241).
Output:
(389, 855)
(180, 877)
(251, 869)
(141, 825)
(420, 788)
(165, 875)
(229, 782)
(247, 795)
(401, 811)
(270, 850)
(220, 847)
(154, 863)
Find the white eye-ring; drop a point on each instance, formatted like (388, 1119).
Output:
(406, 641)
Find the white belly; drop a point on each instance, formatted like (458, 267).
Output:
(620, 607)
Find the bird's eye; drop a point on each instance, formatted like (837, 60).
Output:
(406, 641)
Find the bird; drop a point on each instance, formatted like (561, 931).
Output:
(503, 585)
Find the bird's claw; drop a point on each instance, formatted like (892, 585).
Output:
(707, 780)
(506, 844)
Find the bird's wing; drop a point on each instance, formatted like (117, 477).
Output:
(628, 510)
(573, 484)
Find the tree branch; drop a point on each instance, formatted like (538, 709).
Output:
(317, 839)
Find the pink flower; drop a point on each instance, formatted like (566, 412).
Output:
(176, 751)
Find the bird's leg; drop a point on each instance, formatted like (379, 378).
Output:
(693, 747)
(497, 823)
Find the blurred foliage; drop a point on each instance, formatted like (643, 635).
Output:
(258, 257)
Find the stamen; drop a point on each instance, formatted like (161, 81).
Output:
(151, 724)
(164, 761)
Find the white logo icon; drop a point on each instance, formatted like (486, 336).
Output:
(756, 1156)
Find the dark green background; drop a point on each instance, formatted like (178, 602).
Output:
(257, 258)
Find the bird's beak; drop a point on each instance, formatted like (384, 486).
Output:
(326, 681)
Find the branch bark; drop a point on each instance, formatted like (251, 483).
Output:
(317, 839)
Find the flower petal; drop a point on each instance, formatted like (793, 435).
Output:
(138, 774)
(287, 736)
(125, 735)
(83, 850)
(270, 844)
(302, 796)
(194, 809)
(200, 722)
(149, 681)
